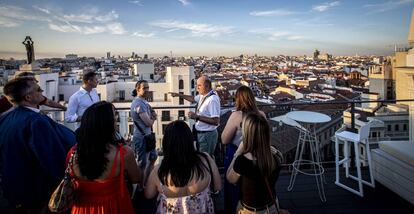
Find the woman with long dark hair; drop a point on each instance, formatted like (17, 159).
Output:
(185, 177)
(101, 164)
(257, 165)
(232, 137)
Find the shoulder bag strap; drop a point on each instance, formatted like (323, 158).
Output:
(271, 194)
(204, 99)
(69, 168)
(139, 127)
(211, 172)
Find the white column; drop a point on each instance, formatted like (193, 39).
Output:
(123, 123)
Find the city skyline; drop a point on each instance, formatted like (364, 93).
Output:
(210, 28)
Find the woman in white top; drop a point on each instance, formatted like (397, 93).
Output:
(232, 137)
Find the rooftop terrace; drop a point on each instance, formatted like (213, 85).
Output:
(304, 196)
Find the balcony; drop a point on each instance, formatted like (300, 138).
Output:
(304, 196)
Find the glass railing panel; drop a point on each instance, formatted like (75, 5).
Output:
(284, 136)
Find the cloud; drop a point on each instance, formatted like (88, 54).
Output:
(316, 22)
(113, 28)
(325, 6)
(184, 2)
(272, 13)
(116, 28)
(274, 35)
(91, 18)
(386, 6)
(90, 22)
(44, 10)
(5, 22)
(196, 29)
(143, 35)
(65, 28)
(295, 38)
(17, 15)
(136, 3)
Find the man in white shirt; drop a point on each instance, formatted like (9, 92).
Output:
(82, 99)
(206, 115)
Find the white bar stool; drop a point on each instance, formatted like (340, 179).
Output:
(358, 139)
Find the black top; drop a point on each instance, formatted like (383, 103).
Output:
(254, 191)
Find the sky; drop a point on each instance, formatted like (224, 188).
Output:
(203, 27)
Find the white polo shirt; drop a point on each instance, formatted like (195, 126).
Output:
(209, 108)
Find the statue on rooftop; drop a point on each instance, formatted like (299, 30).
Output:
(28, 43)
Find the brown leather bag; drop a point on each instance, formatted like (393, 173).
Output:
(63, 197)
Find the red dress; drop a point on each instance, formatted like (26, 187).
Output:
(102, 197)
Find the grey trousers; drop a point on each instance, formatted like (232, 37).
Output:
(207, 141)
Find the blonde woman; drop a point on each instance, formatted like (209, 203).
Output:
(232, 137)
(257, 165)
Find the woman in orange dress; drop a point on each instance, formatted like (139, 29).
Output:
(101, 164)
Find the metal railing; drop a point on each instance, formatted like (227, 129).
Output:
(326, 131)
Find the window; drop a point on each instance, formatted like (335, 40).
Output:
(61, 97)
(405, 127)
(117, 116)
(180, 84)
(152, 76)
(121, 95)
(181, 101)
(192, 83)
(389, 128)
(163, 128)
(374, 134)
(150, 96)
(165, 97)
(181, 115)
(165, 116)
(53, 98)
(397, 127)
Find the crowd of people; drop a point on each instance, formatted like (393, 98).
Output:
(35, 151)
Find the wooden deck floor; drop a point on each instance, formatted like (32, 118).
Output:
(304, 197)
